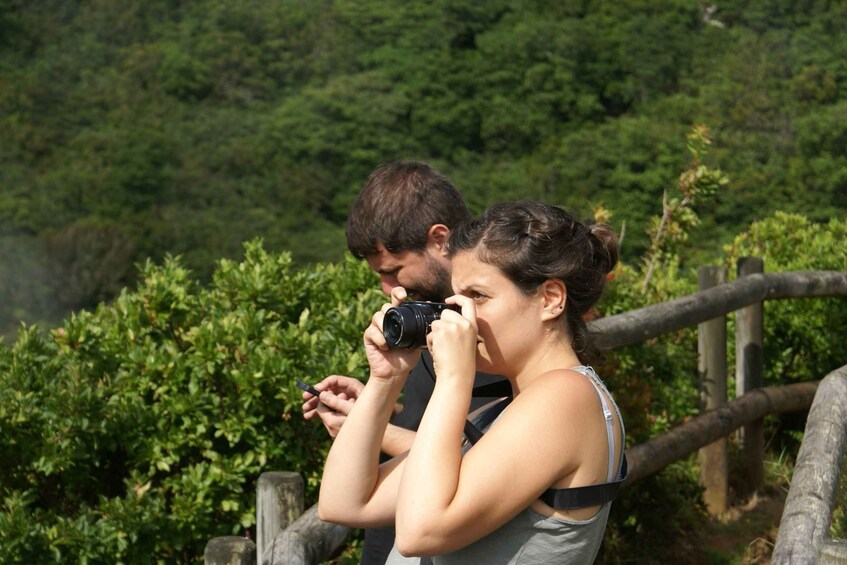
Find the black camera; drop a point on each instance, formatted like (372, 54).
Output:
(406, 325)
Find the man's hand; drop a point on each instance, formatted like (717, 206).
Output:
(335, 404)
(338, 394)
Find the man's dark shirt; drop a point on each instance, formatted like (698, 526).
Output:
(416, 394)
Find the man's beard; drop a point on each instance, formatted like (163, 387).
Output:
(436, 284)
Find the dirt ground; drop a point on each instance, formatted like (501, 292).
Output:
(746, 533)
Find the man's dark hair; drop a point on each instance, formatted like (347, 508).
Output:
(398, 204)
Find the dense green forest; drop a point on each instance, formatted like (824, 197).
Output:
(131, 129)
(143, 142)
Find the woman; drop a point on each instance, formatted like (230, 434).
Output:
(524, 275)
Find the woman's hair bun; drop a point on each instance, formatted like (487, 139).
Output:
(606, 253)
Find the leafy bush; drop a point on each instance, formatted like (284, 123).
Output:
(801, 336)
(655, 382)
(136, 432)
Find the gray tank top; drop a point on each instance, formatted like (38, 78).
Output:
(531, 538)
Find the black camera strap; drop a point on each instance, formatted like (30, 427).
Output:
(583, 497)
(497, 389)
(474, 431)
(558, 498)
(501, 389)
(494, 390)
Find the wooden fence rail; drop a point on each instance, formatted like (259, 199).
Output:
(807, 515)
(656, 454)
(708, 309)
(307, 540)
(645, 323)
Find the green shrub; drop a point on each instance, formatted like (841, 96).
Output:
(136, 432)
(655, 382)
(801, 335)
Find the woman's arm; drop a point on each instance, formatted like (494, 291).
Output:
(355, 490)
(397, 441)
(446, 501)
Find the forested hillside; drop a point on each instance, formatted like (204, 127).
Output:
(131, 129)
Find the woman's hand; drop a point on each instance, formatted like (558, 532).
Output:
(453, 341)
(386, 362)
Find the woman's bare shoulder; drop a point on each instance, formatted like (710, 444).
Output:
(565, 391)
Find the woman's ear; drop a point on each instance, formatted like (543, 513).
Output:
(437, 236)
(554, 296)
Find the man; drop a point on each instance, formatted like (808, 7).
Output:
(399, 224)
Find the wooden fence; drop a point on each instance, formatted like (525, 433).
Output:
(286, 535)
(807, 515)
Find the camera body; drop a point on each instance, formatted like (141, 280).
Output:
(406, 325)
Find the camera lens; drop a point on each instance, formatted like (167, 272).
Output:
(393, 328)
(406, 325)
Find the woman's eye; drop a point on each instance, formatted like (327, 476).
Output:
(478, 296)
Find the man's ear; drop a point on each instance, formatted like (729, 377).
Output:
(554, 295)
(437, 236)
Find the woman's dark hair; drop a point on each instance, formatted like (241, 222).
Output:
(398, 204)
(532, 242)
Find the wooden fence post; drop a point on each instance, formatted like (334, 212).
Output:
(833, 552)
(750, 373)
(308, 540)
(711, 349)
(279, 502)
(229, 550)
